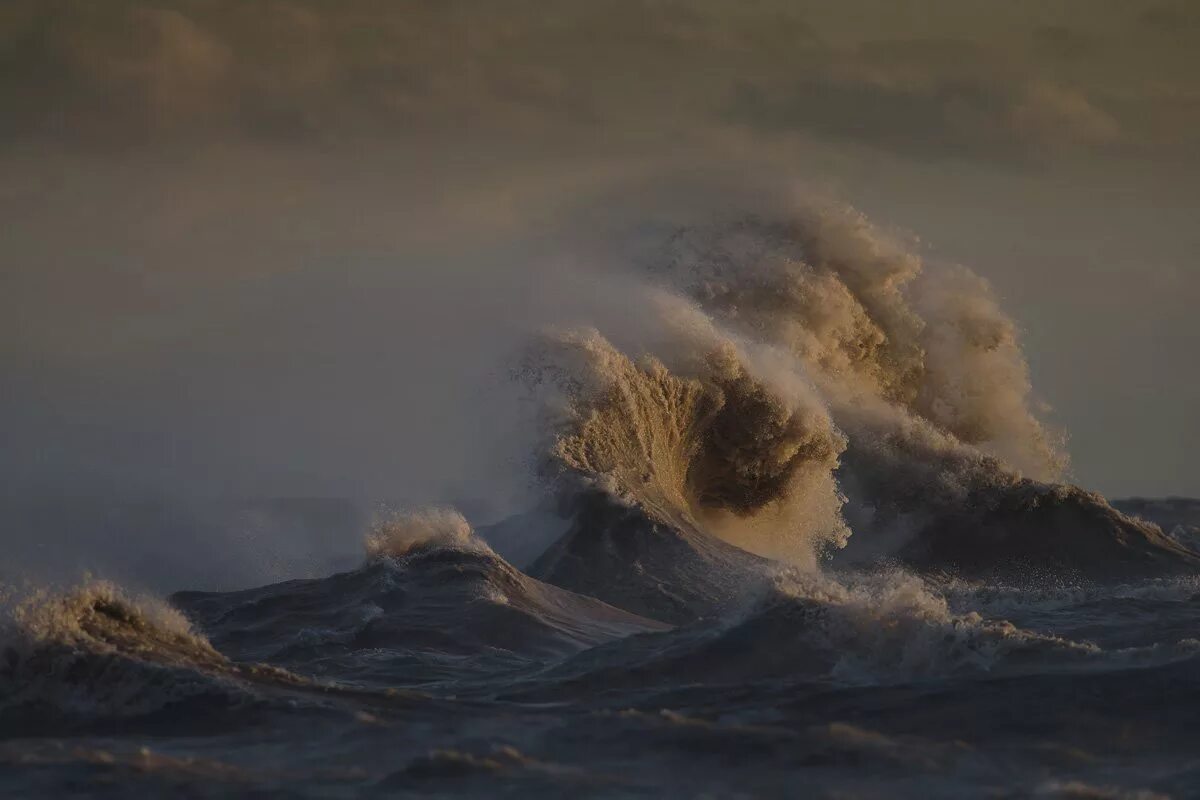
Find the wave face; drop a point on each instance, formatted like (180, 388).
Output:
(616, 552)
(716, 450)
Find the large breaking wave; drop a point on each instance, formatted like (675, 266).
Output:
(791, 383)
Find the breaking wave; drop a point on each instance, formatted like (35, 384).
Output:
(398, 534)
(790, 382)
(717, 450)
(98, 651)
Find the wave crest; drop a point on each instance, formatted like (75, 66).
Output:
(719, 450)
(96, 650)
(870, 321)
(398, 534)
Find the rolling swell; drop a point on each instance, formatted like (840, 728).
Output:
(433, 603)
(432, 606)
(888, 629)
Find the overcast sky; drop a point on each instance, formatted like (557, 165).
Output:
(285, 247)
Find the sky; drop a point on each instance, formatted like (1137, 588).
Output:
(288, 247)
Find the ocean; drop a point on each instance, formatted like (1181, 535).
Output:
(799, 533)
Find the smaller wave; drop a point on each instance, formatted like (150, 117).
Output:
(97, 651)
(98, 656)
(890, 626)
(1043, 531)
(433, 603)
(860, 630)
(398, 534)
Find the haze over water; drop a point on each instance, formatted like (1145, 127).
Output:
(663, 399)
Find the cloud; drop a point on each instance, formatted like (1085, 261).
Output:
(130, 73)
(1053, 116)
(631, 74)
(1171, 17)
(1059, 42)
(89, 76)
(930, 99)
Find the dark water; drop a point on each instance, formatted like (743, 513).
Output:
(445, 671)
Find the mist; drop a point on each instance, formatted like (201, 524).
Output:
(273, 251)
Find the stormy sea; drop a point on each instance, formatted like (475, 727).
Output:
(801, 532)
